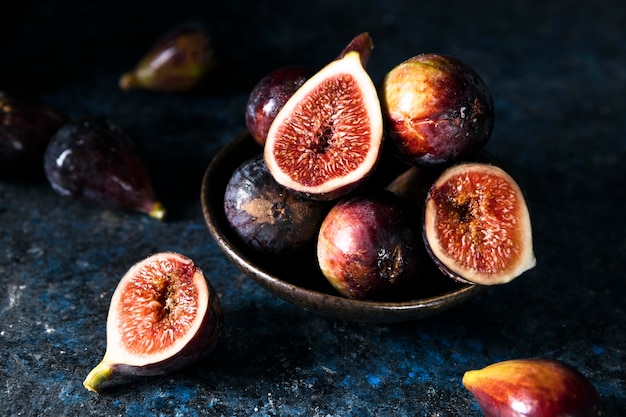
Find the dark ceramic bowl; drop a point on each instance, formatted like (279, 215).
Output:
(299, 281)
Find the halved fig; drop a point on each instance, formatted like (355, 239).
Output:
(326, 140)
(164, 315)
(477, 225)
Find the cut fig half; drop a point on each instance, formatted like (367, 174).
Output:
(164, 315)
(477, 225)
(326, 140)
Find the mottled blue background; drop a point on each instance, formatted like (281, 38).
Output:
(557, 72)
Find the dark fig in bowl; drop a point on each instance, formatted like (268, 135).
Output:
(93, 160)
(26, 125)
(533, 387)
(178, 61)
(437, 110)
(327, 138)
(367, 247)
(267, 217)
(269, 96)
(164, 316)
(477, 225)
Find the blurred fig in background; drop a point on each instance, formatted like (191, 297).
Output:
(179, 61)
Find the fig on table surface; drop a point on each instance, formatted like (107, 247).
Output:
(26, 125)
(267, 217)
(178, 61)
(477, 225)
(269, 96)
(367, 248)
(164, 316)
(533, 388)
(326, 140)
(437, 110)
(93, 160)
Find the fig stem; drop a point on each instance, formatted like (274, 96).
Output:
(97, 376)
(129, 81)
(157, 211)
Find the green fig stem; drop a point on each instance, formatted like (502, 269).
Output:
(97, 376)
(157, 211)
(129, 81)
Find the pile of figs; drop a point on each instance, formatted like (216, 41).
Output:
(381, 180)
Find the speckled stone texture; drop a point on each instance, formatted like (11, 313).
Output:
(557, 72)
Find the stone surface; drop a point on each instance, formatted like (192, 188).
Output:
(558, 77)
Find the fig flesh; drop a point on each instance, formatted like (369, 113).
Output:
(533, 387)
(267, 217)
(177, 62)
(26, 126)
(437, 110)
(367, 248)
(326, 140)
(164, 315)
(477, 225)
(269, 96)
(93, 160)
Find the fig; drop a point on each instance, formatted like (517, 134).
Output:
(326, 140)
(266, 216)
(177, 62)
(269, 95)
(164, 316)
(93, 160)
(436, 109)
(477, 225)
(533, 387)
(366, 246)
(26, 125)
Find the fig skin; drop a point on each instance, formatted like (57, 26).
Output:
(269, 96)
(169, 289)
(93, 160)
(179, 61)
(437, 110)
(533, 387)
(367, 248)
(327, 139)
(477, 225)
(267, 217)
(26, 125)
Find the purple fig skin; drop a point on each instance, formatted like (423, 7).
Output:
(367, 248)
(361, 43)
(267, 217)
(269, 95)
(437, 110)
(94, 160)
(533, 387)
(26, 126)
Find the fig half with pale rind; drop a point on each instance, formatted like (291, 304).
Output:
(534, 387)
(477, 225)
(326, 140)
(164, 316)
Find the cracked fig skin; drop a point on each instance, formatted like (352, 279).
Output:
(533, 388)
(164, 315)
(477, 225)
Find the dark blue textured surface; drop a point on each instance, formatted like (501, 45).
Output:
(558, 77)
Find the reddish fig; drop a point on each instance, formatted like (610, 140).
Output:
(269, 96)
(327, 137)
(366, 246)
(533, 387)
(437, 110)
(477, 225)
(179, 61)
(26, 126)
(266, 216)
(94, 160)
(164, 315)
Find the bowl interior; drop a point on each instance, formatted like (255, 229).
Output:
(298, 279)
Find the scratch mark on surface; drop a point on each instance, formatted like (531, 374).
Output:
(14, 293)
